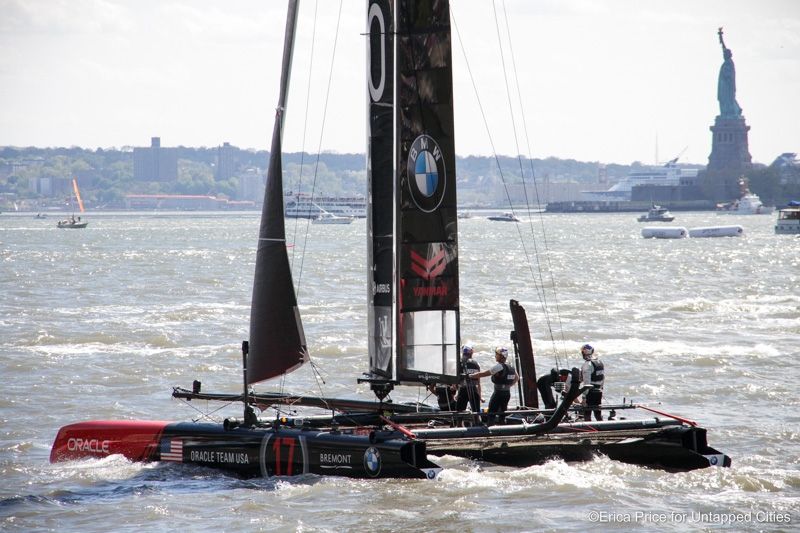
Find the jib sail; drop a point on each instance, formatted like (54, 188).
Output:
(277, 342)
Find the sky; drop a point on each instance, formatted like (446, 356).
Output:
(613, 81)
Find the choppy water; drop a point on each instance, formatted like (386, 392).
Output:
(101, 323)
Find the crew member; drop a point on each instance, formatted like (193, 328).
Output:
(469, 390)
(545, 386)
(592, 373)
(445, 395)
(504, 377)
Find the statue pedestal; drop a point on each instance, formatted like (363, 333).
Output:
(730, 157)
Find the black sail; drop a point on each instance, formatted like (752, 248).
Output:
(426, 240)
(277, 342)
(380, 183)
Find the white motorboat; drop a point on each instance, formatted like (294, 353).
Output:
(330, 218)
(505, 217)
(326, 217)
(657, 214)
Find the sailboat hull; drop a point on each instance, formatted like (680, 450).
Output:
(665, 446)
(248, 452)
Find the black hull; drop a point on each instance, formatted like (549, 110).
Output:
(249, 452)
(665, 446)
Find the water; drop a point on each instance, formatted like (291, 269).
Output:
(100, 324)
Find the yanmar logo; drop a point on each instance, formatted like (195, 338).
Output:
(428, 268)
(425, 292)
(88, 445)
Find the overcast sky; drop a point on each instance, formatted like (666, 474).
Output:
(613, 81)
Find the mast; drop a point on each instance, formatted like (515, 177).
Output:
(380, 185)
(277, 343)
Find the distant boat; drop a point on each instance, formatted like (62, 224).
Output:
(72, 222)
(657, 214)
(748, 203)
(301, 205)
(40, 215)
(465, 214)
(505, 217)
(788, 222)
(329, 218)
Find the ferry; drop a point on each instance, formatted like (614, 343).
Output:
(669, 174)
(788, 222)
(303, 205)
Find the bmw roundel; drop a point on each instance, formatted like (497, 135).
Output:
(372, 461)
(426, 173)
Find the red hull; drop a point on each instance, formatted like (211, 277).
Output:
(136, 440)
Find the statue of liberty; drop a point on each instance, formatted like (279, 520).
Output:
(726, 86)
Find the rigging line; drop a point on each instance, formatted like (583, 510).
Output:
(317, 379)
(305, 128)
(207, 415)
(321, 135)
(483, 113)
(544, 302)
(543, 293)
(538, 201)
(494, 151)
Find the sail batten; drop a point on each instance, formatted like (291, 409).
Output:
(277, 342)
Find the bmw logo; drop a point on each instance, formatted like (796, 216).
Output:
(372, 461)
(426, 173)
(713, 460)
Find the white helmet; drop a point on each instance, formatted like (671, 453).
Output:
(587, 351)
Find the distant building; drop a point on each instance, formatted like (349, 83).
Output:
(788, 167)
(226, 162)
(155, 163)
(51, 186)
(251, 186)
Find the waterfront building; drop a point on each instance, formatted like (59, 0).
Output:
(155, 163)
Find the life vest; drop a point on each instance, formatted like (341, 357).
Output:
(505, 378)
(470, 366)
(598, 374)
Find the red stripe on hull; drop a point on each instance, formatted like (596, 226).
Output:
(136, 440)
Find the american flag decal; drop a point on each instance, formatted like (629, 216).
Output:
(172, 450)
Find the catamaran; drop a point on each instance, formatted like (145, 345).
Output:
(413, 332)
